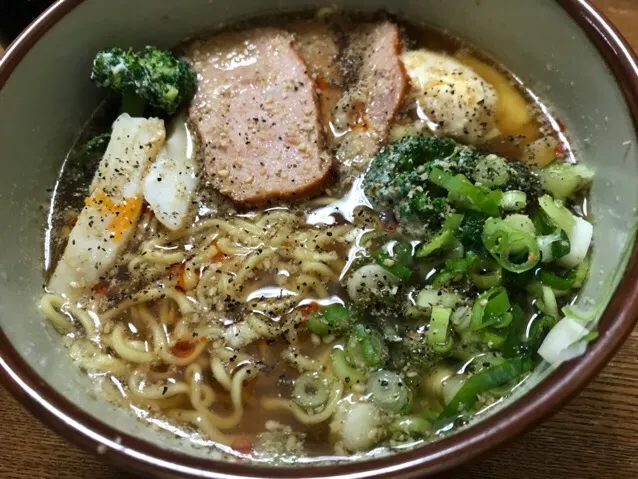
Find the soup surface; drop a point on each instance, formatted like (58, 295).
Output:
(315, 236)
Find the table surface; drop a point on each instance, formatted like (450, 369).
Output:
(595, 436)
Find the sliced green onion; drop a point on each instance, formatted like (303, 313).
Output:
(461, 318)
(580, 238)
(564, 341)
(582, 272)
(369, 236)
(443, 348)
(490, 378)
(412, 426)
(392, 266)
(588, 338)
(538, 330)
(389, 391)
(454, 269)
(443, 278)
(521, 222)
(464, 193)
(557, 213)
(493, 340)
(453, 221)
(543, 224)
(513, 200)
(486, 274)
(438, 336)
(547, 302)
(461, 265)
(496, 196)
(489, 309)
(365, 348)
(443, 240)
(515, 250)
(429, 298)
(332, 319)
(491, 171)
(553, 246)
(562, 180)
(343, 370)
(402, 252)
(311, 390)
(555, 281)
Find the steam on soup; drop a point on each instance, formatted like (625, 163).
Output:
(313, 237)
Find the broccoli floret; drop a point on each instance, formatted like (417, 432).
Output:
(470, 231)
(153, 77)
(398, 180)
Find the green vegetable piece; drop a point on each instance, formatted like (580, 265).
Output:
(462, 265)
(438, 334)
(553, 246)
(399, 179)
(515, 250)
(561, 247)
(463, 193)
(538, 330)
(389, 392)
(492, 171)
(513, 200)
(455, 269)
(489, 309)
(490, 378)
(311, 390)
(402, 252)
(397, 176)
(412, 426)
(470, 231)
(429, 298)
(343, 370)
(554, 281)
(444, 240)
(486, 274)
(492, 339)
(582, 272)
(152, 76)
(522, 223)
(557, 213)
(332, 319)
(365, 348)
(453, 221)
(392, 265)
(546, 301)
(563, 180)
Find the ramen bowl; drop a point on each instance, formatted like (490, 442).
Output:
(564, 50)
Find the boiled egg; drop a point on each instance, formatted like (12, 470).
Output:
(451, 98)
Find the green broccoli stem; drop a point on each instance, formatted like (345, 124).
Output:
(133, 104)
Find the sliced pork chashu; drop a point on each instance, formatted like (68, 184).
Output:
(366, 111)
(258, 118)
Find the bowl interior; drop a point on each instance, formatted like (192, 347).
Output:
(49, 96)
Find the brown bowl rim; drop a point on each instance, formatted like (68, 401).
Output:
(126, 451)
